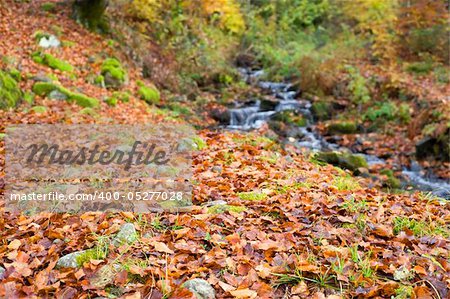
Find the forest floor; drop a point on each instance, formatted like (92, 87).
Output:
(291, 227)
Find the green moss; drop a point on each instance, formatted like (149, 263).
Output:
(201, 144)
(420, 68)
(123, 96)
(343, 183)
(44, 88)
(10, 92)
(321, 110)
(40, 34)
(28, 97)
(219, 209)
(111, 101)
(113, 72)
(149, 94)
(89, 255)
(254, 196)
(39, 109)
(342, 128)
(99, 80)
(56, 63)
(51, 61)
(83, 100)
(48, 6)
(343, 160)
(290, 117)
(15, 74)
(391, 180)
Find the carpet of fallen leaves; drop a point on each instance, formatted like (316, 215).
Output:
(291, 228)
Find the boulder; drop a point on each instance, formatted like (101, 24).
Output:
(221, 114)
(71, 260)
(344, 160)
(200, 288)
(344, 127)
(268, 104)
(434, 147)
(126, 235)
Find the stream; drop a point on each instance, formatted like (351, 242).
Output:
(253, 115)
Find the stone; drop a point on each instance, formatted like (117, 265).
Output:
(434, 147)
(200, 288)
(267, 104)
(343, 127)
(2, 272)
(343, 160)
(126, 235)
(221, 114)
(70, 260)
(49, 42)
(57, 95)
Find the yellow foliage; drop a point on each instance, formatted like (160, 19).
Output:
(377, 18)
(145, 9)
(228, 12)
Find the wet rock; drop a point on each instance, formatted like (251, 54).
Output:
(344, 160)
(126, 235)
(221, 114)
(41, 78)
(341, 128)
(70, 260)
(436, 148)
(50, 41)
(200, 288)
(245, 60)
(268, 104)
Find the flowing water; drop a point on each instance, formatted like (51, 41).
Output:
(252, 116)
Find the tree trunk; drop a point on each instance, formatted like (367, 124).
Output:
(90, 13)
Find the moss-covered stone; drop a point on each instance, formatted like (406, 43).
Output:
(83, 100)
(321, 110)
(111, 101)
(113, 72)
(10, 92)
(219, 209)
(149, 94)
(39, 109)
(391, 181)
(344, 160)
(48, 6)
(123, 96)
(290, 117)
(44, 88)
(15, 74)
(51, 61)
(344, 127)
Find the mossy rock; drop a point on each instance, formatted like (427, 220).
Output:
(39, 109)
(48, 6)
(83, 100)
(219, 209)
(344, 127)
(52, 62)
(391, 181)
(123, 96)
(44, 88)
(344, 160)
(149, 94)
(114, 75)
(111, 101)
(10, 92)
(321, 110)
(290, 117)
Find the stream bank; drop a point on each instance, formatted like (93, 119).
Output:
(291, 117)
